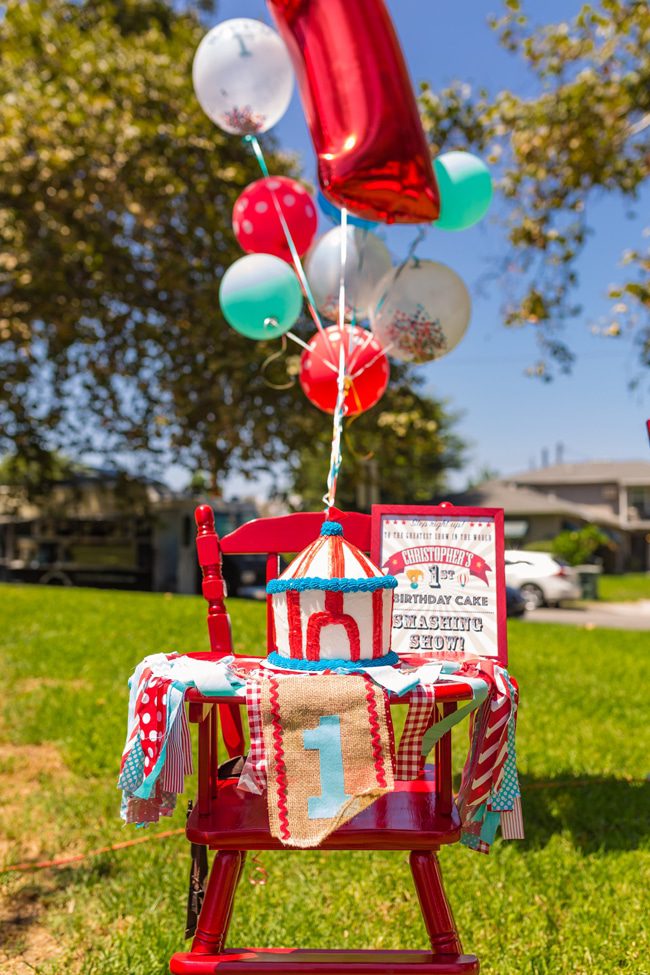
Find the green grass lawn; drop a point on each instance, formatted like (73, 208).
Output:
(620, 589)
(573, 898)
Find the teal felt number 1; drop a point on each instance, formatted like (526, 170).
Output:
(326, 738)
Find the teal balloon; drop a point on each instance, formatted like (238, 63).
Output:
(334, 213)
(260, 296)
(465, 188)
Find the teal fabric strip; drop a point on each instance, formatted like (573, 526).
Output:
(489, 828)
(504, 799)
(436, 731)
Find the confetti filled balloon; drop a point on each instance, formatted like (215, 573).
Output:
(260, 296)
(421, 311)
(242, 76)
(367, 260)
(256, 222)
(334, 213)
(465, 188)
(366, 367)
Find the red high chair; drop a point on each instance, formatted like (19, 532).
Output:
(418, 816)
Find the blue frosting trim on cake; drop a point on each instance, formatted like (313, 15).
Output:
(338, 663)
(332, 585)
(331, 528)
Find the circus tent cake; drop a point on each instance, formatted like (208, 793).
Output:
(331, 608)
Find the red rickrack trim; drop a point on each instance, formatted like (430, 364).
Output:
(281, 769)
(374, 733)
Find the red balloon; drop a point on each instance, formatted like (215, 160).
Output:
(367, 370)
(373, 156)
(257, 225)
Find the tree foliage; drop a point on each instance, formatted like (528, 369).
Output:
(115, 201)
(584, 132)
(116, 195)
(399, 452)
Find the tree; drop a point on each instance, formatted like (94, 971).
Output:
(585, 132)
(398, 452)
(115, 200)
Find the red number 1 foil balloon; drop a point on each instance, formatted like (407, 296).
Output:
(373, 156)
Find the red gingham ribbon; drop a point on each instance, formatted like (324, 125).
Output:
(253, 776)
(410, 759)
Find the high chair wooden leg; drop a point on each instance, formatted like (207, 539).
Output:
(438, 919)
(212, 927)
(242, 863)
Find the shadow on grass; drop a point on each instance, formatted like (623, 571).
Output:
(599, 813)
(21, 913)
(22, 907)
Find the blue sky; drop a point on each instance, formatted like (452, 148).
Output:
(507, 418)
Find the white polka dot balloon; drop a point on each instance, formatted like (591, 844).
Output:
(257, 225)
(242, 76)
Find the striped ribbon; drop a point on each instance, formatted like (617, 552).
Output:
(336, 455)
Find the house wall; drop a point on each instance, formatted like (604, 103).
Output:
(606, 495)
(637, 497)
(541, 528)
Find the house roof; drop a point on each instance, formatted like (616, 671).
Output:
(521, 501)
(588, 472)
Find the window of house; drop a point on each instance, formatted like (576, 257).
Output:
(639, 498)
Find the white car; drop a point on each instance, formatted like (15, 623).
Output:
(543, 579)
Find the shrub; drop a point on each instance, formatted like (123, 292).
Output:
(577, 547)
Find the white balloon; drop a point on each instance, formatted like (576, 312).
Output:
(367, 261)
(242, 76)
(421, 311)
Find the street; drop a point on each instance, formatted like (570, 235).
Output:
(617, 616)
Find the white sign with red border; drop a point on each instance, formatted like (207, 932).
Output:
(448, 562)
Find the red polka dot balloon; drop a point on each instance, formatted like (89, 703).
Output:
(367, 371)
(256, 222)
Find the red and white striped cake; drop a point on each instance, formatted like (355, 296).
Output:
(332, 607)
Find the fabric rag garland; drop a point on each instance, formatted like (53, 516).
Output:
(489, 794)
(158, 750)
(349, 722)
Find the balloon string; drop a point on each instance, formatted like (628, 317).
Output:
(352, 334)
(362, 345)
(344, 259)
(419, 237)
(295, 256)
(305, 345)
(336, 455)
(296, 338)
(384, 351)
(267, 362)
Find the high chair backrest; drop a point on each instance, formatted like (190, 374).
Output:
(273, 537)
